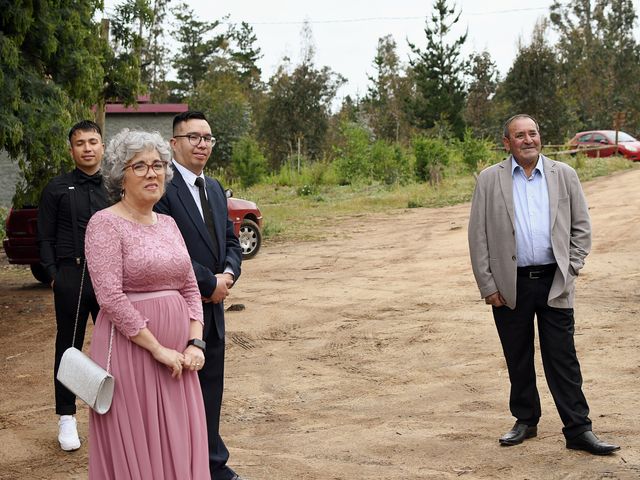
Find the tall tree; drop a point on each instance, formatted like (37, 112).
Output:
(480, 111)
(600, 59)
(439, 72)
(224, 99)
(389, 89)
(244, 54)
(196, 48)
(52, 72)
(296, 111)
(533, 86)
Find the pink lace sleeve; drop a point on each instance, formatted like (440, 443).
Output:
(189, 290)
(103, 249)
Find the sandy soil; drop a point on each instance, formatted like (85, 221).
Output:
(370, 356)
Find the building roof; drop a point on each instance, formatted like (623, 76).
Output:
(145, 106)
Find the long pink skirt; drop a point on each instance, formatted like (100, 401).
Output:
(156, 426)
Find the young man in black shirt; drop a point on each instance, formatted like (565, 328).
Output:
(66, 205)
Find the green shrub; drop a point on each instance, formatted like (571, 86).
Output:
(475, 151)
(305, 190)
(248, 162)
(432, 155)
(352, 155)
(390, 164)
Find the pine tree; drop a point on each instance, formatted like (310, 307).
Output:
(439, 73)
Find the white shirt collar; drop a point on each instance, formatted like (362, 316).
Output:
(188, 176)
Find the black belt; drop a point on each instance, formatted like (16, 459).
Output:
(534, 272)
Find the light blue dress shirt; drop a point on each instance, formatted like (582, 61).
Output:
(531, 203)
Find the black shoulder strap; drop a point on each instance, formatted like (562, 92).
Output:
(74, 222)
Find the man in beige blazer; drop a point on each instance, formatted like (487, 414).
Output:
(529, 233)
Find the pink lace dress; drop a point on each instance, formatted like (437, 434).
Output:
(156, 426)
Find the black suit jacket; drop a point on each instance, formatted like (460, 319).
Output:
(178, 202)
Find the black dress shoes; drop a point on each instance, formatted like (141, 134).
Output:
(518, 434)
(588, 442)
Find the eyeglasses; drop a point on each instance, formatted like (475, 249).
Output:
(140, 169)
(195, 139)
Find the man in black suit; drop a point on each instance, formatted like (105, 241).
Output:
(198, 205)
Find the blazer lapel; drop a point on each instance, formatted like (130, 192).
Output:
(551, 176)
(185, 196)
(506, 186)
(218, 222)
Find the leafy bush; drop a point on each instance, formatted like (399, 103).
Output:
(432, 155)
(248, 162)
(475, 151)
(352, 156)
(390, 163)
(305, 190)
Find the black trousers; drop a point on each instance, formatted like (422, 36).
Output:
(559, 359)
(212, 384)
(66, 290)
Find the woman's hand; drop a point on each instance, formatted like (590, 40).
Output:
(193, 358)
(173, 359)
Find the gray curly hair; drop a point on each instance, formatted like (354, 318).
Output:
(125, 145)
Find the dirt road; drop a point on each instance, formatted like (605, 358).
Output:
(370, 356)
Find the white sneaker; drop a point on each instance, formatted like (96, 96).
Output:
(68, 433)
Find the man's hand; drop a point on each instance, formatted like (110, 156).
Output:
(227, 277)
(220, 293)
(495, 299)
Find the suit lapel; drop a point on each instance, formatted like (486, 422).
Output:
(551, 176)
(186, 198)
(506, 186)
(218, 221)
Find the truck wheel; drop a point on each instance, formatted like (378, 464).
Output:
(40, 273)
(250, 238)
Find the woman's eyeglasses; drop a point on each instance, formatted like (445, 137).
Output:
(140, 169)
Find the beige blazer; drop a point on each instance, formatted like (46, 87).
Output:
(492, 239)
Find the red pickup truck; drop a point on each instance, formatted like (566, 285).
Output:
(21, 248)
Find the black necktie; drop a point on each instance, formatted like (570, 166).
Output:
(207, 213)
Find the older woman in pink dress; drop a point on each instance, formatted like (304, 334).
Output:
(146, 288)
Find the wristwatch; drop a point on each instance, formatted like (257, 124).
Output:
(196, 342)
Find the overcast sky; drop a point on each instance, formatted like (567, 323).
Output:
(346, 32)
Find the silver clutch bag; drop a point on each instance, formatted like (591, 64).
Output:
(85, 378)
(88, 380)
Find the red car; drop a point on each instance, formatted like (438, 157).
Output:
(628, 146)
(21, 248)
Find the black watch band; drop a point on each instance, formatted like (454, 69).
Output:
(196, 342)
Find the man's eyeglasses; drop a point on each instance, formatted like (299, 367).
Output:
(140, 169)
(195, 139)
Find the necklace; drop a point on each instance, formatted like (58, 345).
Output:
(143, 218)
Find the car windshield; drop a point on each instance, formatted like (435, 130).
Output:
(622, 137)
